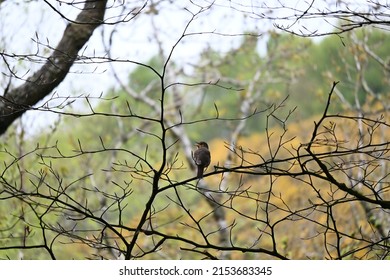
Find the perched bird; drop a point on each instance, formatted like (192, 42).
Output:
(201, 157)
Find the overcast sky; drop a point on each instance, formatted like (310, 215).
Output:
(22, 25)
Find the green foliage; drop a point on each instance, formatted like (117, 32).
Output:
(347, 61)
(83, 156)
(143, 76)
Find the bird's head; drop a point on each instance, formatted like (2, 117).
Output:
(202, 144)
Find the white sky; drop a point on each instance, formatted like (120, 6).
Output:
(21, 23)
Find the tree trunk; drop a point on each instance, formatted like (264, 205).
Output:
(17, 101)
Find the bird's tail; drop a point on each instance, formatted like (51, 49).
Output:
(200, 172)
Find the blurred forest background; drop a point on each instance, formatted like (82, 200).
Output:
(296, 120)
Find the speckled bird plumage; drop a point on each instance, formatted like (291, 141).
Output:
(202, 157)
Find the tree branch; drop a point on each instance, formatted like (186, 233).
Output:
(17, 101)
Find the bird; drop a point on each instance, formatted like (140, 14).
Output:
(201, 157)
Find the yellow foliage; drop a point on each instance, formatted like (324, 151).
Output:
(306, 230)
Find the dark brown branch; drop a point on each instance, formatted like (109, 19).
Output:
(17, 101)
